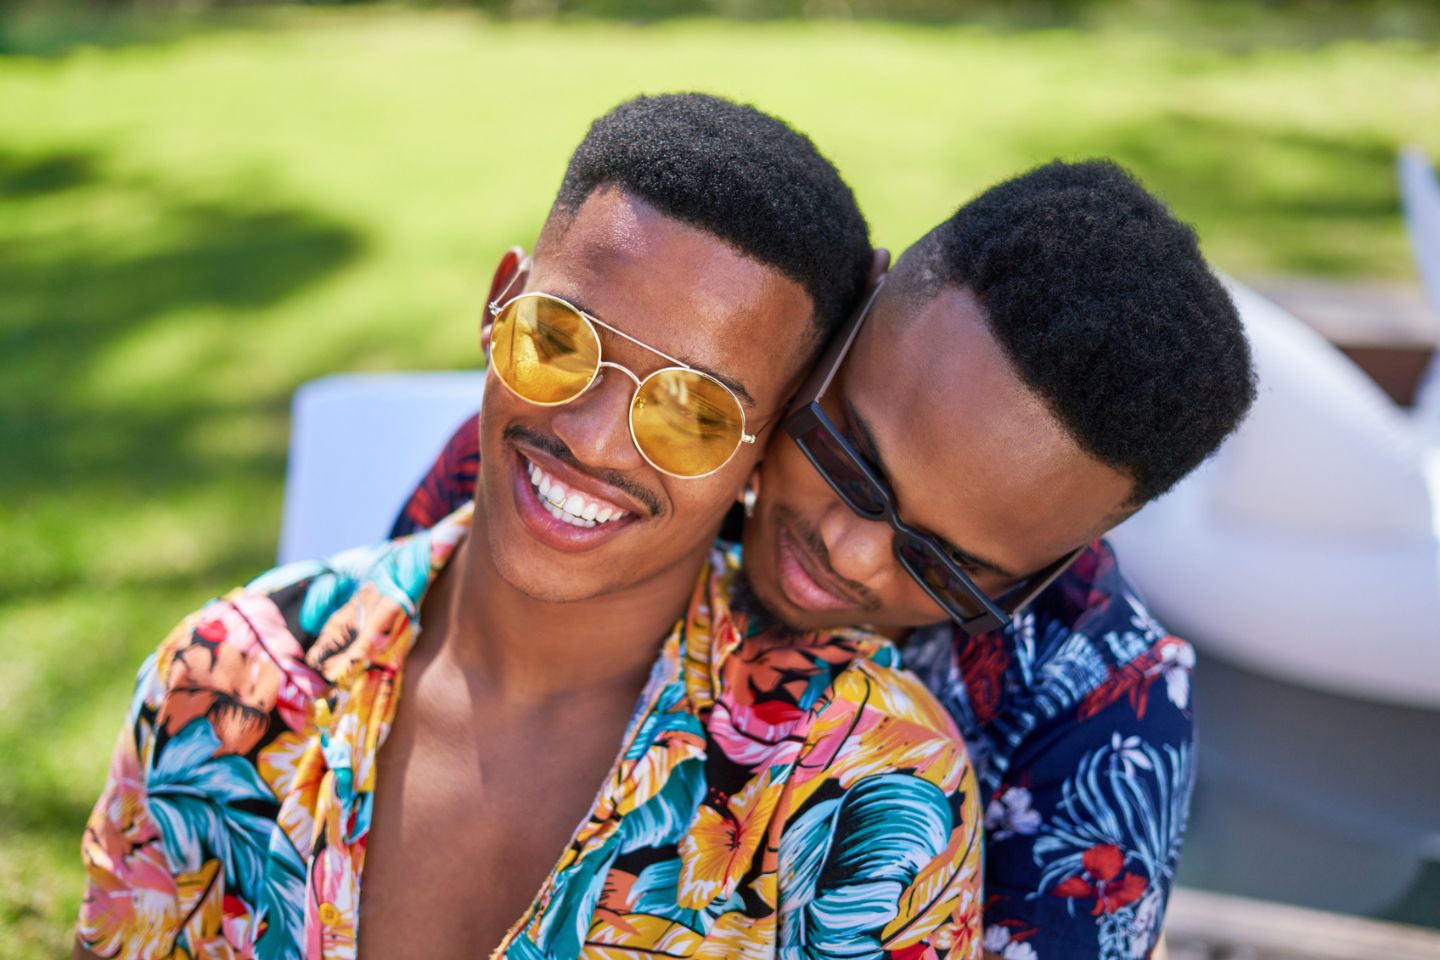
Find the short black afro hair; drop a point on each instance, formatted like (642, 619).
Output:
(740, 175)
(1102, 301)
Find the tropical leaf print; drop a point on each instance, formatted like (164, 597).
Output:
(1077, 668)
(663, 818)
(575, 894)
(722, 841)
(937, 892)
(281, 909)
(656, 893)
(198, 798)
(1114, 841)
(324, 594)
(846, 862)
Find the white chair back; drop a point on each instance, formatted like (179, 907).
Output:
(359, 443)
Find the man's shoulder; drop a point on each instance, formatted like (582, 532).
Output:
(1088, 646)
(1095, 638)
(806, 676)
(878, 681)
(1090, 633)
(846, 697)
(283, 639)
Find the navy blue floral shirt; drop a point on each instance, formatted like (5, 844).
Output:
(1079, 723)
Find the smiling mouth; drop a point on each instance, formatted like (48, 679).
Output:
(570, 505)
(535, 448)
(572, 515)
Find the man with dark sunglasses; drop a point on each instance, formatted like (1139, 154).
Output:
(1034, 370)
(590, 747)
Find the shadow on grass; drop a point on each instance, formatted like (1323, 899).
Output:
(91, 263)
(1300, 197)
(70, 299)
(52, 30)
(55, 30)
(68, 305)
(26, 175)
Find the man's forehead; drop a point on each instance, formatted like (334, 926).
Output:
(946, 379)
(614, 233)
(673, 286)
(973, 454)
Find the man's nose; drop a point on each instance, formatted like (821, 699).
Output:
(596, 425)
(860, 549)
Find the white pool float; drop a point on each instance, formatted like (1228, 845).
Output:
(1308, 548)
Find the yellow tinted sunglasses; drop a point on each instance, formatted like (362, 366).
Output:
(547, 352)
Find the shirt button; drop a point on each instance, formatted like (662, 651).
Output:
(329, 914)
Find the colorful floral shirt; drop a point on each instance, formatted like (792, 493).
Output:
(794, 796)
(1079, 722)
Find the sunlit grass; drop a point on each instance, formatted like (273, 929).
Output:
(192, 226)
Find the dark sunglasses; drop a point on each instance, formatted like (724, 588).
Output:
(925, 557)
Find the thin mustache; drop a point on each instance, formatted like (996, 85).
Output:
(557, 449)
(816, 545)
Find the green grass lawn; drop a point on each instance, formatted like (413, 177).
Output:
(192, 225)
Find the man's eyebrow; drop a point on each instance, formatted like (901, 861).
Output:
(865, 439)
(736, 387)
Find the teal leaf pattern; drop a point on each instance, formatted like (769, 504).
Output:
(197, 796)
(848, 861)
(282, 903)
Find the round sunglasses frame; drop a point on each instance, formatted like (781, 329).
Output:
(496, 308)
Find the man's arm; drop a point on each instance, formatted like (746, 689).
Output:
(1084, 834)
(122, 848)
(175, 845)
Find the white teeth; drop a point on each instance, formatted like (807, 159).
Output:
(571, 506)
(559, 514)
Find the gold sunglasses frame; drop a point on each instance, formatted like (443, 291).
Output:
(496, 307)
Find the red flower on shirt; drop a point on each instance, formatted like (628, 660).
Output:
(983, 660)
(1103, 880)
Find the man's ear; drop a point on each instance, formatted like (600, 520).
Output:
(879, 263)
(506, 281)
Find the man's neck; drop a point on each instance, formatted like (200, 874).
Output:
(521, 649)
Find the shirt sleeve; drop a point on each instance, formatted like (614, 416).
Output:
(176, 848)
(449, 484)
(131, 904)
(1084, 832)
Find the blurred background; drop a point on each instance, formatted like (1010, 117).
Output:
(203, 206)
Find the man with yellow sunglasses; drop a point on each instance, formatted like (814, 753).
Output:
(566, 769)
(1036, 368)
